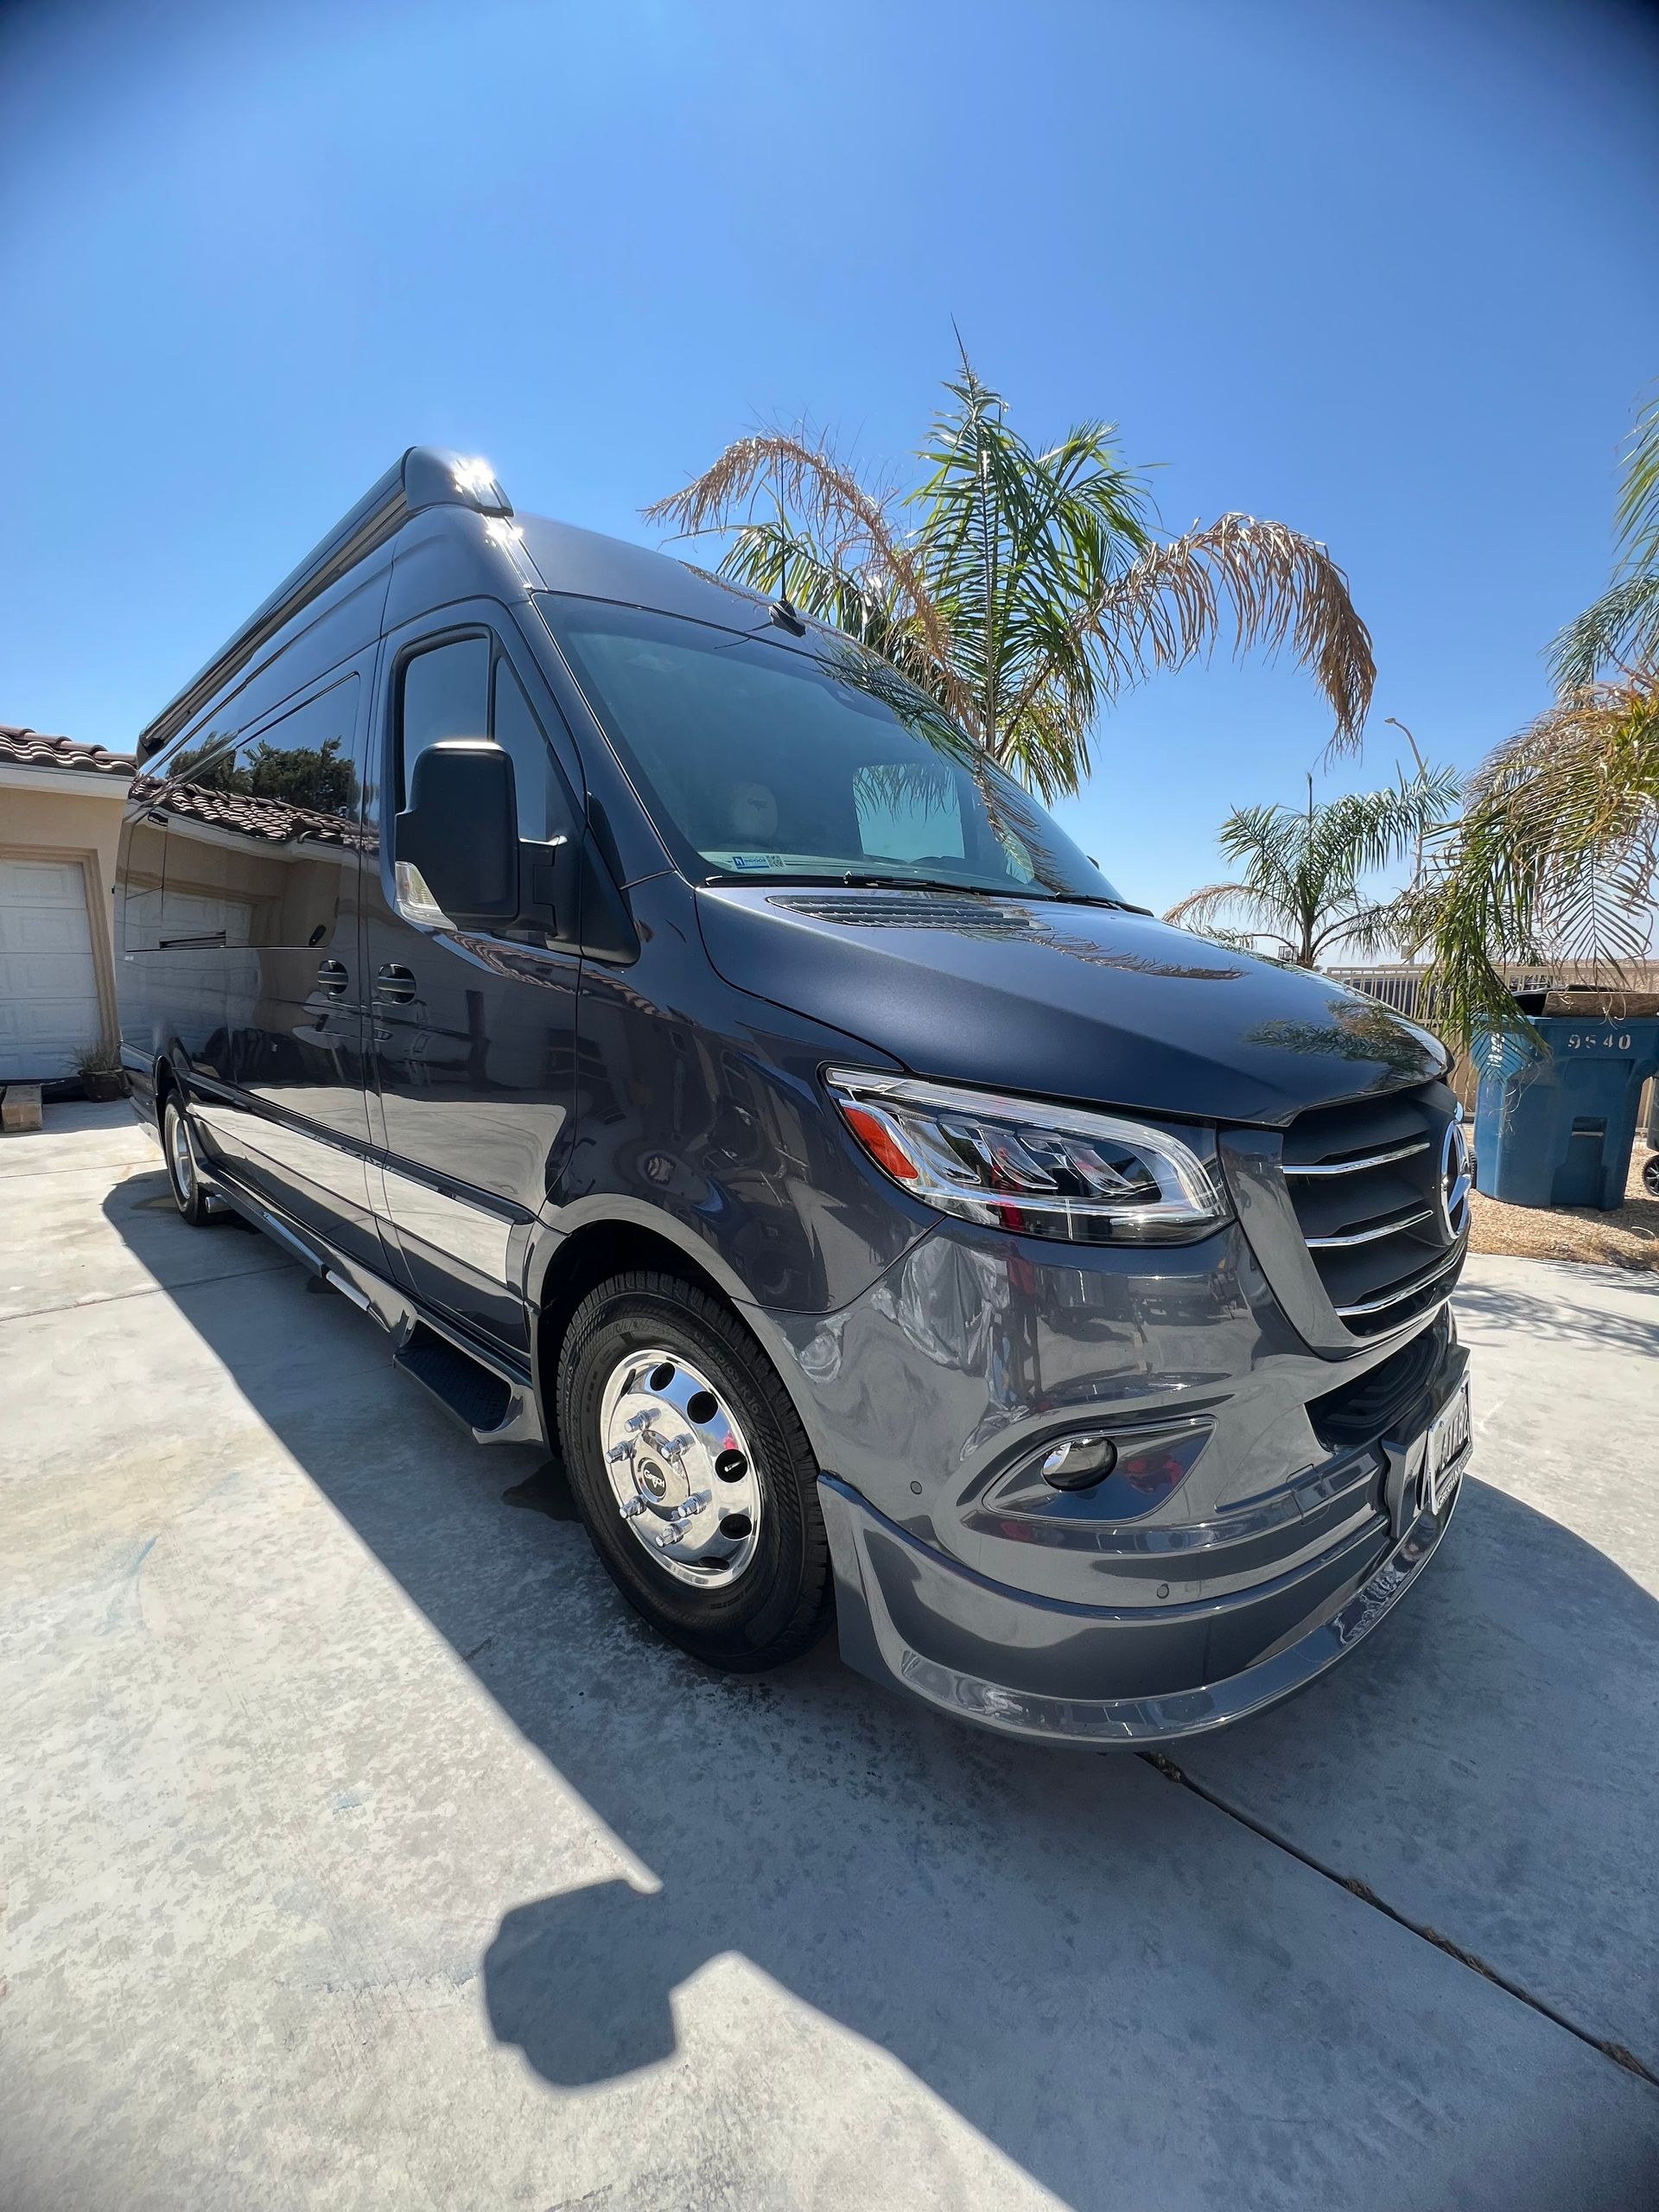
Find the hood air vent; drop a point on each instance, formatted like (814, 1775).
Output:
(906, 910)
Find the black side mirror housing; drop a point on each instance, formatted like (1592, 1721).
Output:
(460, 831)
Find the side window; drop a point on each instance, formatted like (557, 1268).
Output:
(443, 693)
(544, 810)
(141, 860)
(305, 761)
(449, 691)
(260, 829)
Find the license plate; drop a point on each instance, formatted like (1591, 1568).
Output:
(1448, 1446)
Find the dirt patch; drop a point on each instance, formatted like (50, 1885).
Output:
(1627, 1238)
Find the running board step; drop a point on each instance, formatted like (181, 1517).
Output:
(495, 1410)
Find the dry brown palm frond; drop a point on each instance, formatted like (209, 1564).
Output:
(1592, 755)
(809, 478)
(1167, 609)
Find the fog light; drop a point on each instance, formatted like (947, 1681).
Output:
(1079, 1463)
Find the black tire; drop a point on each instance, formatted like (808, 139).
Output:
(1650, 1174)
(185, 1184)
(781, 1603)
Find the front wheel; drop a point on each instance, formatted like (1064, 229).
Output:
(693, 1473)
(189, 1195)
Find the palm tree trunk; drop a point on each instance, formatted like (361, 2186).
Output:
(986, 541)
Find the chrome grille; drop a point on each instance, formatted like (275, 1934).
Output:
(1364, 1179)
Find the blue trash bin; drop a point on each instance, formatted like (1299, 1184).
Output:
(1553, 1125)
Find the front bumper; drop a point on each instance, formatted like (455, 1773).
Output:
(1266, 1510)
(1033, 1667)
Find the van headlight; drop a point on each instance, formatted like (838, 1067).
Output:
(1023, 1165)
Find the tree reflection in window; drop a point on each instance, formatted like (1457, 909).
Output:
(319, 778)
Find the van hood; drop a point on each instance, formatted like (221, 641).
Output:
(1064, 1001)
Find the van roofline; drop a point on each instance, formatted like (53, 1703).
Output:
(425, 476)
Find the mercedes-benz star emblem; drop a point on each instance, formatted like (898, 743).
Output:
(1456, 1182)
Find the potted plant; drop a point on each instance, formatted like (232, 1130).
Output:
(100, 1072)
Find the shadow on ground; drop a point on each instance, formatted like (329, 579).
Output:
(1556, 1317)
(1135, 1999)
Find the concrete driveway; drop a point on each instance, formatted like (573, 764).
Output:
(361, 1851)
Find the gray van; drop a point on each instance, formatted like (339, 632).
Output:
(701, 1060)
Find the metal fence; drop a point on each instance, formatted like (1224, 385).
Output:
(1401, 986)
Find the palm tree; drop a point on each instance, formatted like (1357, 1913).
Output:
(1021, 589)
(1557, 855)
(1302, 871)
(1621, 630)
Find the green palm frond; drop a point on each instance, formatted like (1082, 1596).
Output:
(1637, 511)
(836, 510)
(773, 559)
(1301, 869)
(1022, 588)
(1620, 630)
(1556, 857)
(1620, 627)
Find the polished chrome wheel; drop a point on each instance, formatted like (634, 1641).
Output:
(182, 1160)
(680, 1469)
(193, 1193)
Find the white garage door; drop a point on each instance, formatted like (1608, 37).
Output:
(48, 982)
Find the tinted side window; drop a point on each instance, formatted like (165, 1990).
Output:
(444, 692)
(305, 761)
(543, 812)
(143, 857)
(259, 830)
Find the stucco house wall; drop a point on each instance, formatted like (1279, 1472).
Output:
(62, 802)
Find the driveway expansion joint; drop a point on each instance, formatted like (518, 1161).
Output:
(90, 1303)
(1616, 2051)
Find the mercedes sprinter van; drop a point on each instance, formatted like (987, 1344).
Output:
(700, 1057)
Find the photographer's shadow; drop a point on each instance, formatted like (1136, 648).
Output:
(582, 1983)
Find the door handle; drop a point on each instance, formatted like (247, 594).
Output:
(394, 982)
(332, 976)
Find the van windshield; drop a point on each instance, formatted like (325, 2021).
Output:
(763, 759)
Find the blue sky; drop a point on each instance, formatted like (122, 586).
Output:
(1386, 272)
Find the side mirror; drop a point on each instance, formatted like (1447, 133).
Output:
(460, 831)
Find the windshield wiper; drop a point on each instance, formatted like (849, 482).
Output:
(877, 880)
(872, 880)
(1094, 899)
(1038, 893)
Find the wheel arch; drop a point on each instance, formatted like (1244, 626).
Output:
(562, 1269)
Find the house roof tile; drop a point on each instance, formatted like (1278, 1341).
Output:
(276, 820)
(33, 748)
